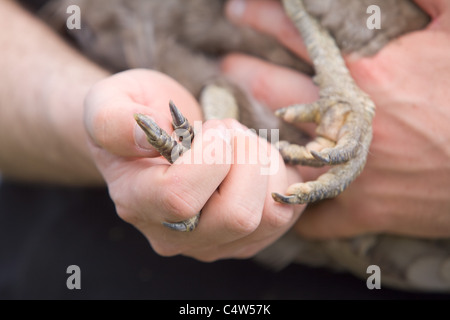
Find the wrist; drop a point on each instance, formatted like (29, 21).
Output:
(42, 136)
(65, 118)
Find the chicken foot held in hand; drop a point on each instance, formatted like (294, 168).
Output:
(343, 114)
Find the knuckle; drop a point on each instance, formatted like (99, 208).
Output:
(126, 213)
(179, 204)
(165, 249)
(242, 220)
(129, 216)
(99, 127)
(279, 216)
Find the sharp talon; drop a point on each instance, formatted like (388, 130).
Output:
(286, 199)
(151, 129)
(181, 226)
(158, 138)
(324, 158)
(184, 226)
(183, 129)
(280, 112)
(177, 117)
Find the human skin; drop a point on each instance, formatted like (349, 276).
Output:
(75, 126)
(43, 138)
(44, 82)
(405, 186)
(239, 217)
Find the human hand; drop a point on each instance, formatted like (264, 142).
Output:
(405, 186)
(239, 217)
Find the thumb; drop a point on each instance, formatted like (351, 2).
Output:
(111, 104)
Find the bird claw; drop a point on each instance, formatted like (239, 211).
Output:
(343, 115)
(344, 147)
(184, 226)
(171, 148)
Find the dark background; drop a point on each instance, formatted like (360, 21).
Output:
(44, 229)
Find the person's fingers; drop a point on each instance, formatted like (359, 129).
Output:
(327, 220)
(338, 218)
(111, 104)
(267, 16)
(179, 191)
(277, 218)
(439, 11)
(243, 216)
(147, 192)
(273, 85)
(286, 87)
(378, 202)
(235, 210)
(351, 213)
(111, 125)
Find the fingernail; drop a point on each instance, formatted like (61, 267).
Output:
(235, 9)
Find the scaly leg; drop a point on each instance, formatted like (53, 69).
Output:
(343, 114)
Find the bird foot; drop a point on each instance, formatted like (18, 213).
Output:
(343, 115)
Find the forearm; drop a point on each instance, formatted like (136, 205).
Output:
(44, 82)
